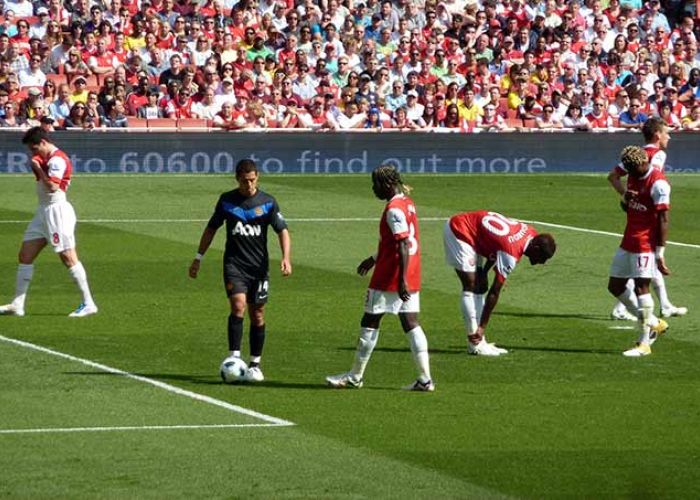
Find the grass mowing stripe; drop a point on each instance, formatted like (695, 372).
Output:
(156, 383)
(63, 430)
(346, 219)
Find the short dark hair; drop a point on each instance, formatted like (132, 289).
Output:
(651, 127)
(245, 166)
(546, 244)
(34, 136)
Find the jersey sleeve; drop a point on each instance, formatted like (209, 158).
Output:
(56, 169)
(397, 222)
(277, 220)
(217, 218)
(661, 194)
(620, 170)
(505, 263)
(658, 161)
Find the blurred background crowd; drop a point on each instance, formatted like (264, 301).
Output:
(464, 65)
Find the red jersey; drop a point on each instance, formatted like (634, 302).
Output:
(58, 168)
(494, 237)
(653, 196)
(656, 156)
(399, 222)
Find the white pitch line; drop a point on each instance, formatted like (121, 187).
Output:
(50, 430)
(618, 327)
(156, 383)
(345, 219)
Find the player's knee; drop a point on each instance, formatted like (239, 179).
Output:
(370, 320)
(257, 316)
(409, 321)
(615, 288)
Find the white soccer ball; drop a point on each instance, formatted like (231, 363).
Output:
(233, 370)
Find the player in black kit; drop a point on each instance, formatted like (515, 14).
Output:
(247, 212)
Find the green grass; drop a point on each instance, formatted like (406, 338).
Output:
(563, 414)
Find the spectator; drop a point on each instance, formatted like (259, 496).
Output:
(32, 76)
(150, 109)
(374, 121)
(115, 117)
(400, 120)
(75, 66)
(77, 118)
(548, 120)
(668, 116)
(491, 121)
(574, 119)
(598, 118)
(10, 118)
(59, 109)
(692, 120)
(181, 106)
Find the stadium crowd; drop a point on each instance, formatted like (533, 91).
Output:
(464, 65)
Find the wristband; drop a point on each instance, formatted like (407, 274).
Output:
(198, 256)
(660, 252)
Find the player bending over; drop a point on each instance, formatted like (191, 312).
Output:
(475, 242)
(395, 284)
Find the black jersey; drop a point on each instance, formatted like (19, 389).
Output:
(247, 220)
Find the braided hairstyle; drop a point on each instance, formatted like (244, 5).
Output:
(388, 175)
(633, 157)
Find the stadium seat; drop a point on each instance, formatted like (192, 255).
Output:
(192, 125)
(56, 79)
(138, 123)
(529, 123)
(514, 122)
(162, 125)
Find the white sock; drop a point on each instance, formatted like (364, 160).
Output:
(468, 306)
(646, 308)
(419, 349)
(629, 300)
(255, 359)
(24, 277)
(79, 275)
(365, 346)
(479, 300)
(235, 354)
(658, 283)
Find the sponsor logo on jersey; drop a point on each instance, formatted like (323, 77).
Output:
(519, 235)
(247, 229)
(635, 205)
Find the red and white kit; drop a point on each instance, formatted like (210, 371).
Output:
(489, 235)
(399, 221)
(55, 218)
(635, 257)
(656, 156)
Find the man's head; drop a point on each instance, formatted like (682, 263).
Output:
(655, 131)
(541, 248)
(635, 161)
(386, 182)
(37, 140)
(247, 177)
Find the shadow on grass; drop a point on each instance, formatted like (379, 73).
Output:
(566, 350)
(596, 317)
(456, 350)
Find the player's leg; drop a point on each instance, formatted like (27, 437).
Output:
(621, 311)
(77, 272)
(238, 303)
(28, 252)
(375, 307)
(658, 283)
(419, 348)
(257, 298)
(482, 288)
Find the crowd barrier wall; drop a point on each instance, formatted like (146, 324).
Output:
(320, 153)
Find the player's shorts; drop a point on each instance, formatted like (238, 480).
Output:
(255, 289)
(633, 265)
(459, 254)
(55, 223)
(381, 302)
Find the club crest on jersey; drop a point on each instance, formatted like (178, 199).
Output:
(247, 229)
(259, 211)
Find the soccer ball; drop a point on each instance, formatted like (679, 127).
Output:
(233, 370)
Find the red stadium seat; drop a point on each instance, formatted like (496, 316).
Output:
(162, 125)
(138, 123)
(192, 125)
(56, 79)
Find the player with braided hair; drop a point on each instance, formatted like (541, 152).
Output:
(641, 252)
(395, 284)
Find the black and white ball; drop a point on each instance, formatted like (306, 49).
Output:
(233, 370)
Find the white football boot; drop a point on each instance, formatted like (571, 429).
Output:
(254, 374)
(673, 311)
(83, 310)
(483, 348)
(11, 310)
(343, 381)
(419, 386)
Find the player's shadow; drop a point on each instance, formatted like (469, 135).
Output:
(432, 350)
(552, 315)
(565, 350)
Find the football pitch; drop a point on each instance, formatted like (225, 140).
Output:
(129, 403)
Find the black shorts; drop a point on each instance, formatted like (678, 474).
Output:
(256, 289)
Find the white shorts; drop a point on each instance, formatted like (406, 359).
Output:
(633, 265)
(459, 254)
(380, 302)
(55, 223)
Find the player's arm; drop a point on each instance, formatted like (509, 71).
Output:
(286, 247)
(662, 221)
(615, 180)
(41, 176)
(404, 294)
(489, 305)
(204, 244)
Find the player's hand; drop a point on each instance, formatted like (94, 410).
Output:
(194, 268)
(479, 333)
(661, 265)
(365, 266)
(286, 267)
(630, 195)
(623, 206)
(404, 294)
